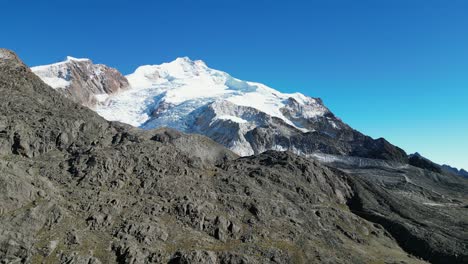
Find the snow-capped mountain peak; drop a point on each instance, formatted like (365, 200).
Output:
(189, 96)
(181, 68)
(58, 75)
(187, 61)
(179, 87)
(70, 58)
(81, 80)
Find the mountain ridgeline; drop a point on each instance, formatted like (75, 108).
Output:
(246, 117)
(77, 188)
(83, 81)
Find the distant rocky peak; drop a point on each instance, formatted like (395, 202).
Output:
(82, 80)
(453, 170)
(8, 56)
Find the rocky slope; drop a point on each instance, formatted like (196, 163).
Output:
(83, 81)
(452, 170)
(248, 118)
(421, 162)
(75, 188)
(425, 211)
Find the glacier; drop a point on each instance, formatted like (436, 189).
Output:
(172, 91)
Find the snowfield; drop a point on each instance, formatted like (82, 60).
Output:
(174, 90)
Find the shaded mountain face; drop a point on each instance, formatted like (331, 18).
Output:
(75, 188)
(82, 81)
(452, 170)
(247, 117)
(425, 211)
(419, 161)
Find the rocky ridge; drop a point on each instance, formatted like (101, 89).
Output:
(76, 188)
(424, 210)
(422, 162)
(83, 81)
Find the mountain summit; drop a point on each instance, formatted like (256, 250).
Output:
(81, 80)
(247, 117)
(182, 86)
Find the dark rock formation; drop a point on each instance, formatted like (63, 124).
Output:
(452, 170)
(421, 162)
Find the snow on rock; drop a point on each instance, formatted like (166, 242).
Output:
(189, 96)
(81, 80)
(232, 118)
(70, 58)
(56, 75)
(187, 85)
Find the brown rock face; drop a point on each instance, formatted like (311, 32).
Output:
(82, 81)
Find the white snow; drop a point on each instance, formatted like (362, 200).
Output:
(181, 80)
(242, 148)
(101, 97)
(232, 118)
(56, 82)
(263, 100)
(70, 58)
(55, 65)
(279, 148)
(56, 75)
(187, 85)
(334, 125)
(131, 106)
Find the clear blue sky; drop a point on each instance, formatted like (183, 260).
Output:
(390, 68)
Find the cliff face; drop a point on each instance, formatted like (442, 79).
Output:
(81, 80)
